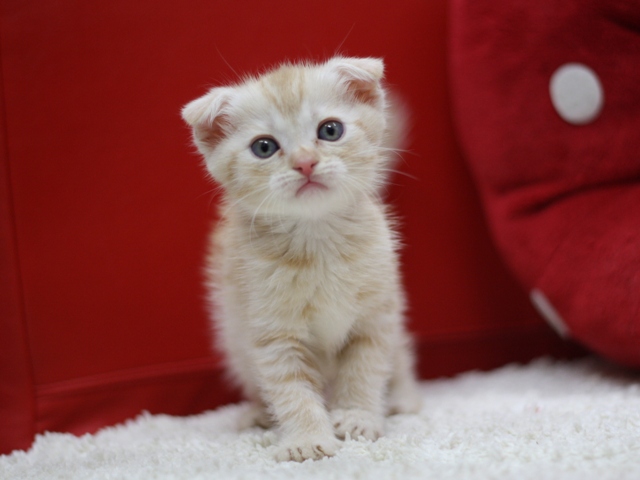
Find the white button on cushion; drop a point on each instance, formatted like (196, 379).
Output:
(548, 312)
(576, 93)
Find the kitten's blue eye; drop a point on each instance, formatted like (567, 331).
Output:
(264, 147)
(330, 131)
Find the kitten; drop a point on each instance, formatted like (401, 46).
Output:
(304, 282)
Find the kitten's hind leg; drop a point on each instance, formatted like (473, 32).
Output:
(255, 416)
(403, 392)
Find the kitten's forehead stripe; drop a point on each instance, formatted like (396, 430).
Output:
(284, 88)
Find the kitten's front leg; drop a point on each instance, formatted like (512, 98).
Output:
(292, 387)
(358, 398)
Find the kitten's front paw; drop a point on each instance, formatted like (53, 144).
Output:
(357, 422)
(299, 451)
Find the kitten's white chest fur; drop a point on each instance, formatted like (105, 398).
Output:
(330, 285)
(316, 270)
(330, 329)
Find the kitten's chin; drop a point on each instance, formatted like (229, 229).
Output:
(312, 199)
(309, 201)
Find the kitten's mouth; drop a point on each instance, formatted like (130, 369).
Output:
(310, 186)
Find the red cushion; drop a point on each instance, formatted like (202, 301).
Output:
(104, 207)
(560, 178)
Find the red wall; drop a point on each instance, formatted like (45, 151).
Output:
(104, 207)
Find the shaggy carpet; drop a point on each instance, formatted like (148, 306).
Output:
(545, 420)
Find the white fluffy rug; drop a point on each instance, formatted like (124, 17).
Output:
(546, 420)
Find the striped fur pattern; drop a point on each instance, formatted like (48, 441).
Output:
(303, 269)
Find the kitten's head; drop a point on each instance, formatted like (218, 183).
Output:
(299, 140)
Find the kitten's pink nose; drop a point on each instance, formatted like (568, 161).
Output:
(305, 166)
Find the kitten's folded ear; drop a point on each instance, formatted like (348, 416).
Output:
(206, 116)
(362, 77)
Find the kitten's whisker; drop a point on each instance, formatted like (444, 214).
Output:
(358, 185)
(373, 149)
(227, 63)
(212, 193)
(400, 172)
(337, 52)
(237, 201)
(214, 190)
(384, 169)
(255, 213)
(281, 216)
(396, 150)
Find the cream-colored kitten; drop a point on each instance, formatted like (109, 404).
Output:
(304, 281)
